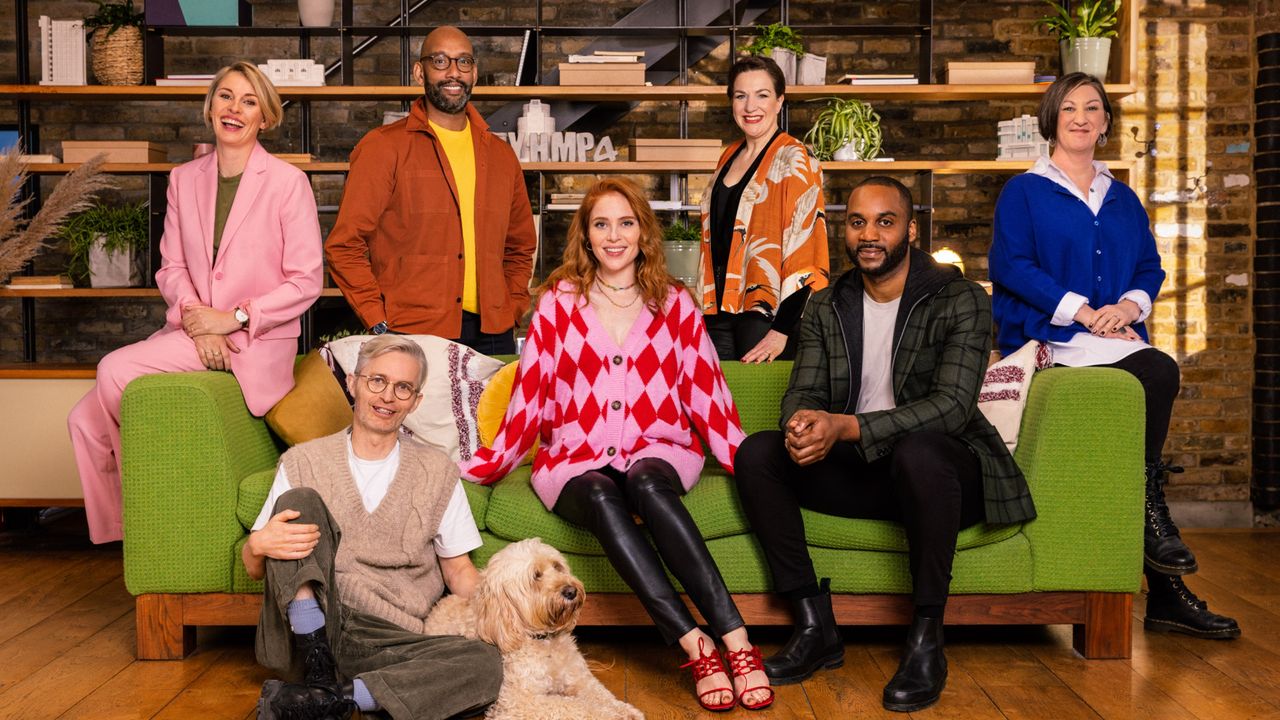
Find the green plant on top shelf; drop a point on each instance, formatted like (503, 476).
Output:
(1092, 19)
(682, 232)
(114, 15)
(123, 228)
(773, 36)
(842, 122)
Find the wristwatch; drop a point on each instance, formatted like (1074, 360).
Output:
(242, 317)
(379, 329)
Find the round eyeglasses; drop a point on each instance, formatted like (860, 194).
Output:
(440, 61)
(377, 383)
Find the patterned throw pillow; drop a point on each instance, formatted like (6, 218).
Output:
(456, 377)
(493, 406)
(1004, 389)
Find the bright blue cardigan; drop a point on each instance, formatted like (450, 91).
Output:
(1047, 242)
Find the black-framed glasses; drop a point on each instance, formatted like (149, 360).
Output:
(441, 61)
(377, 383)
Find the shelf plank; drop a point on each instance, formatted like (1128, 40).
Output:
(588, 93)
(107, 293)
(47, 371)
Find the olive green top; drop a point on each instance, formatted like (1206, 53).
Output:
(227, 187)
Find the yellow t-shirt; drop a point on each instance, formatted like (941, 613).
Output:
(462, 160)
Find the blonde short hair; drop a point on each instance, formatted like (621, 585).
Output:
(268, 98)
(383, 344)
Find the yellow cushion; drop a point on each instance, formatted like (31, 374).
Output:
(314, 408)
(493, 406)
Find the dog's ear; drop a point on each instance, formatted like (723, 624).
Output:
(497, 621)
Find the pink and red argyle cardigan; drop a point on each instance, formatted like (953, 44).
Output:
(592, 403)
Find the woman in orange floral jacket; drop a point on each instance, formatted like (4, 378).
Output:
(764, 230)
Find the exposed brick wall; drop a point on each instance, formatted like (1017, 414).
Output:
(1195, 79)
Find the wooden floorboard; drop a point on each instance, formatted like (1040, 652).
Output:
(67, 641)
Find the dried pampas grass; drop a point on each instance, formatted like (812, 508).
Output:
(19, 241)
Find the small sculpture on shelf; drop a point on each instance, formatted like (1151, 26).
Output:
(106, 245)
(116, 29)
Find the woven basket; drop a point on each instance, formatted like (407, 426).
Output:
(117, 58)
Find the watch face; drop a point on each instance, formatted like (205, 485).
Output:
(241, 316)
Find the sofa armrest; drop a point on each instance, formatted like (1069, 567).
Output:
(187, 440)
(1081, 448)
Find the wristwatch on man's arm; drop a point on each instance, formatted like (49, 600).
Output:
(379, 329)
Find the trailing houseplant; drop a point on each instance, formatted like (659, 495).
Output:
(116, 28)
(105, 244)
(1085, 36)
(781, 43)
(846, 129)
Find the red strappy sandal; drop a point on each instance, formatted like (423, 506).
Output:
(705, 666)
(742, 662)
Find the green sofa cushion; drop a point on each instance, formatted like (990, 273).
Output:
(254, 489)
(757, 391)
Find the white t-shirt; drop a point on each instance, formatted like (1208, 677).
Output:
(876, 391)
(457, 535)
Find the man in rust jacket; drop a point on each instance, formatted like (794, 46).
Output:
(435, 234)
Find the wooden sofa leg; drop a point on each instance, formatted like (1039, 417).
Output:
(1107, 631)
(161, 634)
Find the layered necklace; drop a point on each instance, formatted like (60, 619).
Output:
(616, 288)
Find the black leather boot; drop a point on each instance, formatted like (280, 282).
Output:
(814, 644)
(317, 658)
(289, 701)
(1172, 607)
(922, 673)
(1163, 549)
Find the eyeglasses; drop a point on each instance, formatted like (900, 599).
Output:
(377, 383)
(440, 61)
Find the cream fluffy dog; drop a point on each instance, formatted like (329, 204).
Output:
(527, 604)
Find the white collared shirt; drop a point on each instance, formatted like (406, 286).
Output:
(1085, 349)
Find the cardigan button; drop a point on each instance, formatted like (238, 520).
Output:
(616, 405)
(617, 359)
(1095, 223)
(611, 452)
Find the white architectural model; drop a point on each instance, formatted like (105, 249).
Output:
(294, 73)
(62, 46)
(1020, 139)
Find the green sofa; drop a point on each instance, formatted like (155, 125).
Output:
(196, 467)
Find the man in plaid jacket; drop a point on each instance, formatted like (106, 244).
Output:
(881, 421)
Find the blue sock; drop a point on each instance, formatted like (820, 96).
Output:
(305, 616)
(364, 701)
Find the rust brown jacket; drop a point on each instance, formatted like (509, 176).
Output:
(396, 248)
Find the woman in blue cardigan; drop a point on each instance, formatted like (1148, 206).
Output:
(1074, 264)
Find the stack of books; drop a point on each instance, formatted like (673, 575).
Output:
(604, 67)
(881, 79)
(39, 282)
(184, 81)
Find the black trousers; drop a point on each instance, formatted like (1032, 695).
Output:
(734, 334)
(931, 483)
(1160, 380)
(603, 500)
(503, 343)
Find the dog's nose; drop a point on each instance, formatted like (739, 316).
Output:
(568, 592)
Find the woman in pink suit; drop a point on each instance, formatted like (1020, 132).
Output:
(241, 262)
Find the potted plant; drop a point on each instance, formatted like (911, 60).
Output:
(1085, 37)
(681, 244)
(106, 244)
(847, 129)
(782, 44)
(116, 29)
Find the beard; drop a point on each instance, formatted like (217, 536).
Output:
(438, 100)
(893, 257)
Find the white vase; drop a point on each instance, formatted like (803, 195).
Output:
(684, 261)
(1086, 55)
(811, 70)
(315, 13)
(787, 62)
(112, 269)
(849, 152)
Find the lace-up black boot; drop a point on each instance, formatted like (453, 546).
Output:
(1163, 549)
(1172, 607)
(290, 701)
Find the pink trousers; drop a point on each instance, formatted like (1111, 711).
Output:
(94, 423)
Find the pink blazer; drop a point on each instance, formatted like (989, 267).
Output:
(269, 263)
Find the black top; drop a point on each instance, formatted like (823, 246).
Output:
(724, 208)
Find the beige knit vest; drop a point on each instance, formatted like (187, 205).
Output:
(386, 564)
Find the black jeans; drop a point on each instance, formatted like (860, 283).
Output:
(1160, 380)
(734, 334)
(931, 483)
(502, 343)
(602, 501)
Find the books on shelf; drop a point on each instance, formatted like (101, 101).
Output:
(604, 67)
(881, 79)
(39, 282)
(609, 56)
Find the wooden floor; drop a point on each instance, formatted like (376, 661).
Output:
(66, 651)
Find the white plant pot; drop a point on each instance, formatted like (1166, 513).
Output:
(113, 269)
(787, 62)
(683, 261)
(811, 70)
(849, 152)
(315, 13)
(1086, 55)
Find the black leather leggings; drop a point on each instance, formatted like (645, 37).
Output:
(602, 501)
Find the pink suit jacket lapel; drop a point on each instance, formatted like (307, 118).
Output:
(206, 201)
(246, 194)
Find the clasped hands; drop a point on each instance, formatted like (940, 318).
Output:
(1111, 321)
(209, 329)
(281, 539)
(811, 434)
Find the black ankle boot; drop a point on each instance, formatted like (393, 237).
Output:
(317, 658)
(922, 673)
(290, 701)
(814, 644)
(1172, 607)
(1163, 549)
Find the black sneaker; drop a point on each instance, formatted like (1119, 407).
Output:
(289, 701)
(1172, 607)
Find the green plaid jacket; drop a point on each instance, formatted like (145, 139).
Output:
(942, 339)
